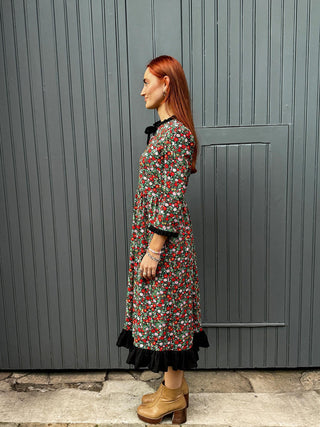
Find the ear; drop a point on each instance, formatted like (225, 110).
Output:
(166, 80)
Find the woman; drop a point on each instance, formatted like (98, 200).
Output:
(162, 328)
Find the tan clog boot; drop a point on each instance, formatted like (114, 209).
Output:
(168, 401)
(147, 398)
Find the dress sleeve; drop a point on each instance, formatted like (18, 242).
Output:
(165, 211)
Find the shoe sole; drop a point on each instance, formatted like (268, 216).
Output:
(179, 417)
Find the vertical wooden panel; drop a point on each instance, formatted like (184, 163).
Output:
(245, 231)
(74, 151)
(29, 198)
(276, 40)
(167, 12)
(262, 64)
(248, 61)
(210, 63)
(197, 12)
(314, 318)
(208, 261)
(234, 53)
(223, 88)
(233, 232)
(260, 168)
(311, 121)
(16, 200)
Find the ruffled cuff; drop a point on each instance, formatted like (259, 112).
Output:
(162, 232)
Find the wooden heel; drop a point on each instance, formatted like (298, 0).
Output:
(186, 396)
(179, 417)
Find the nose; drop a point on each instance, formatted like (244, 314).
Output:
(142, 92)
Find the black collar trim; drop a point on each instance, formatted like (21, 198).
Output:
(152, 129)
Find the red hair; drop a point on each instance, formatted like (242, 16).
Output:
(177, 94)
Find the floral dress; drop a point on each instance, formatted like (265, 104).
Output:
(162, 322)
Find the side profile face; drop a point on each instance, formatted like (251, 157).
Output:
(153, 89)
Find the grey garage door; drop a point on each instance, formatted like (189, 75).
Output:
(71, 132)
(239, 202)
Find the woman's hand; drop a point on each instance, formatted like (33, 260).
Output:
(148, 267)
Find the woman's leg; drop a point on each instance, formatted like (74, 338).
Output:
(170, 400)
(172, 378)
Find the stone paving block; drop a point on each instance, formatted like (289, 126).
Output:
(88, 386)
(135, 388)
(19, 374)
(204, 425)
(4, 375)
(311, 380)
(217, 382)
(120, 376)
(82, 425)
(268, 381)
(5, 386)
(141, 424)
(255, 409)
(149, 375)
(61, 406)
(76, 377)
(136, 373)
(43, 425)
(33, 379)
(24, 388)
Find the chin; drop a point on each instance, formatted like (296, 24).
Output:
(152, 106)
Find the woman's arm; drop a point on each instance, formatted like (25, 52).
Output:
(164, 212)
(166, 204)
(157, 242)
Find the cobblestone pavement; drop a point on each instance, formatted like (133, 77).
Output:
(218, 398)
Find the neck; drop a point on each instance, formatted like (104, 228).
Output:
(164, 112)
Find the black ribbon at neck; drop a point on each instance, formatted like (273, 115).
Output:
(153, 129)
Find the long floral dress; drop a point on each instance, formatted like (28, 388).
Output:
(162, 323)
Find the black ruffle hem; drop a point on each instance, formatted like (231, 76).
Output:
(157, 361)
